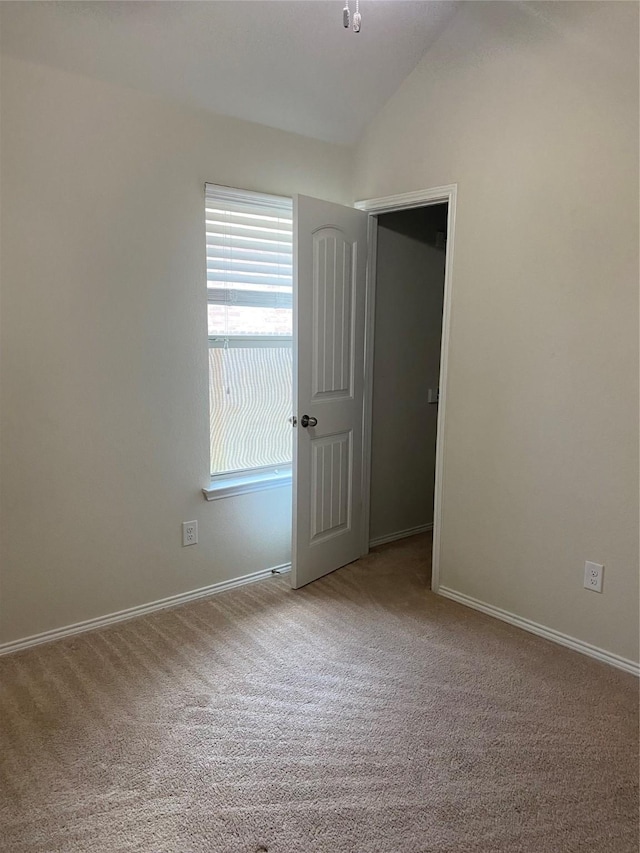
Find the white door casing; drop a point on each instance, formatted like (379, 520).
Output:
(330, 260)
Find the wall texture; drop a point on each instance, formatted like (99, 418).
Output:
(532, 109)
(104, 389)
(409, 291)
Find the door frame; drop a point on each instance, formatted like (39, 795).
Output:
(390, 204)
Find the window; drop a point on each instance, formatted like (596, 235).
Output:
(249, 291)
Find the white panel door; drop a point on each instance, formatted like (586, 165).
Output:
(330, 258)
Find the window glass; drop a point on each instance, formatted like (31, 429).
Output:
(250, 397)
(249, 293)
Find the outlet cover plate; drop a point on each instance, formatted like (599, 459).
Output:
(593, 573)
(189, 533)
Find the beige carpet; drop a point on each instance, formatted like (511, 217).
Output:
(361, 714)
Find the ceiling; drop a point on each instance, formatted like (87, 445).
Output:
(284, 63)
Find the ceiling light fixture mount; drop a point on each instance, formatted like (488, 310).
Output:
(346, 16)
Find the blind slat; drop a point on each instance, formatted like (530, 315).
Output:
(246, 243)
(243, 286)
(227, 277)
(235, 256)
(249, 298)
(243, 342)
(235, 222)
(266, 235)
(243, 265)
(279, 271)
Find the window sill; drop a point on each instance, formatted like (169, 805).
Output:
(242, 484)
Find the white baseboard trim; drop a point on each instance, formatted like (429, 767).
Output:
(542, 631)
(141, 610)
(401, 534)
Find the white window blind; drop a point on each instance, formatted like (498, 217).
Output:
(249, 293)
(249, 264)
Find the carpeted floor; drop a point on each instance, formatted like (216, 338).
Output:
(361, 714)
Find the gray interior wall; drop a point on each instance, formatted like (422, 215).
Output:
(410, 284)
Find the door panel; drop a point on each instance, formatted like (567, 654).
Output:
(329, 308)
(332, 317)
(330, 478)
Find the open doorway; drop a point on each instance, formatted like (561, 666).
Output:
(410, 279)
(335, 332)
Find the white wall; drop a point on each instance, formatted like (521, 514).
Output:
(104, 355)
(533, 110)
(408, 322)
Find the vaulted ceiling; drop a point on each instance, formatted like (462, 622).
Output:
(289, 64)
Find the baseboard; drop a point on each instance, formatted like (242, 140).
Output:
(141, 610)
(542, 631)
(401, 534)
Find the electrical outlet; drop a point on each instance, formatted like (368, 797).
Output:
(189, 532)
(593, 573)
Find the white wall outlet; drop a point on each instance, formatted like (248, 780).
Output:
(593, 573)
(189, 532)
